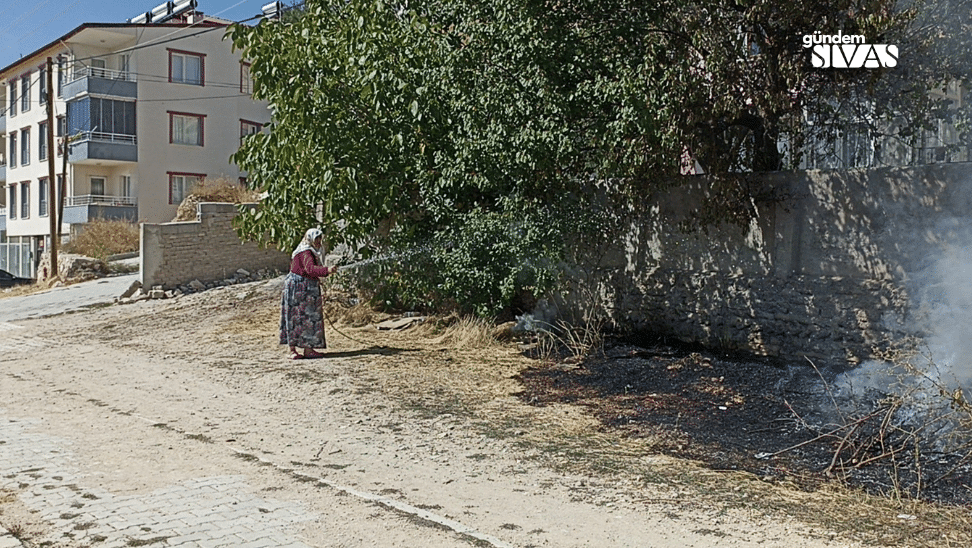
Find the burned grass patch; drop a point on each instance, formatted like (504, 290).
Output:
(751, 415)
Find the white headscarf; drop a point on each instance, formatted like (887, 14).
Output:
(308, 243)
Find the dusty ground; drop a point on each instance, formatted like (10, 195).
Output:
(152, 392)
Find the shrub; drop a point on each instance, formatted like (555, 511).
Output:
(101, 238)
(220, 189)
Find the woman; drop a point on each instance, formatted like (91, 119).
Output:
(301, 317)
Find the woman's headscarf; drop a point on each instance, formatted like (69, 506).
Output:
(308, 243)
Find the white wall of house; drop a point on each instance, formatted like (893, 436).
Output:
(218, 101)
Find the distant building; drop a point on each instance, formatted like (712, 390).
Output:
(150, 106)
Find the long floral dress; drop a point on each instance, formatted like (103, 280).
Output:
(301, 317)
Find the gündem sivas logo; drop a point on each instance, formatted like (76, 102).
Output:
(848, 51)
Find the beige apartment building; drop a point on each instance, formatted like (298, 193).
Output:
(149, 108)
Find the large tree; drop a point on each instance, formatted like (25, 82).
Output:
(413, 121)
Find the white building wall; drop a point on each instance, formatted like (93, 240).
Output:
(219, 101)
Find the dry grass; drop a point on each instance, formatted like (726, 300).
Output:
(23, 290)
(101, 238)
(456, 365)
(222, 189)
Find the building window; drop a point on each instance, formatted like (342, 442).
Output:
(61, 127)
(98, 68)
(103, 117)
(12, 200)
(186, 67)
(13, 98)
(97, 186)
(186, 129)
(25, 200)
(42, 196)
(13, 149)
(126, 185)
(25, 93)
(42, 141)
(60, 76)
(180, 184)
(25, 146)
(42, 85)
(248, 128)
(246, 83)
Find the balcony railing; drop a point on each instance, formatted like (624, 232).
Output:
(3, 212)
(107, 74)
(100, 199)
(105, 137)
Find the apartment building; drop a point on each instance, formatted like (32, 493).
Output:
(149, 107)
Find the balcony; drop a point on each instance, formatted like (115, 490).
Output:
(91, 147)
(81, 209)
(3, 171)
(103, 82)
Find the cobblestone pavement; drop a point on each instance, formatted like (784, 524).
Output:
(207, 512)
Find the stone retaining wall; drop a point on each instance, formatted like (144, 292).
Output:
(207, 250)
(839, 262)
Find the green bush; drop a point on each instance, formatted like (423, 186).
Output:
(479, 268)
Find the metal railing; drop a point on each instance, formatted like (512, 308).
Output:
(3, 212)
(100, 199)
(105, 137)
(95, 72)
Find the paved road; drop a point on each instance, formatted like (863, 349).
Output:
(65, 299)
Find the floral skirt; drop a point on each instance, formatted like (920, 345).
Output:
(301, 318)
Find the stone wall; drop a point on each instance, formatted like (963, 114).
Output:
(830, 269)
(207, 249)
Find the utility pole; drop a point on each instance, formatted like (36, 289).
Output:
(52, 210)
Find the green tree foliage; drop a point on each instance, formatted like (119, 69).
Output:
(429, 121)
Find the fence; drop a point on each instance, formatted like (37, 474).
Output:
(17, 260)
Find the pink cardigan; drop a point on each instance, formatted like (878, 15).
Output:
(305, 265)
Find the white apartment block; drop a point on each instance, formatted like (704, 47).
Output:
(150, 108)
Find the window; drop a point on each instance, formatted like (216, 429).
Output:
(25, 146)
(124, 65)
(61, 127)
(103, 116)
(13, 149)
(186, 67)
(186, 129)
(98, 67)
(25, 200)
(60, 76)
(12, 200)
(246, 83)
(25, 93)
(42, 85)
(180, 184)
(42, 141)
(42, 192)
(248, 128)
(13, 98)
(97, 186)
(126, 185)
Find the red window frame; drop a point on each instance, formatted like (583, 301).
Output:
(202, 66)
(202, 127)
(172, 174)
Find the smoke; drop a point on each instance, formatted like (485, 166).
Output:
(935, 375)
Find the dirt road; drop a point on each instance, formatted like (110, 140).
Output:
(181, 423)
